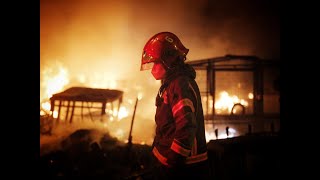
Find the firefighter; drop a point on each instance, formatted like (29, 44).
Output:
(179, 145)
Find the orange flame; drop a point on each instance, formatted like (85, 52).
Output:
(226, 102)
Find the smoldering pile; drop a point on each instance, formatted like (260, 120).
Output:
(92, 152)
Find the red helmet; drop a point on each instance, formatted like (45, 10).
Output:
(163, 46)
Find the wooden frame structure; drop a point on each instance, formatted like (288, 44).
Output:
(84, 95)
(259, 118)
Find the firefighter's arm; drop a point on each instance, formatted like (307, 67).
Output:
(183, 104)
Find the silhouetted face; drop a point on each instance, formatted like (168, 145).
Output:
(158, 71)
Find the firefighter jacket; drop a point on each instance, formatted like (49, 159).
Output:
(179, 118)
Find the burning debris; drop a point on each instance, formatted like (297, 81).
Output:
(76, 99)
(46, 124)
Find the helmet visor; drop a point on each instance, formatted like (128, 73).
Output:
(146, 66)
(147, 61)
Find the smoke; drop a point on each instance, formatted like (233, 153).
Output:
(82, 31)
(100, 42)
(61, 132)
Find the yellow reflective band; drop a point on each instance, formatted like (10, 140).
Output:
(181, 104)
(180, 150)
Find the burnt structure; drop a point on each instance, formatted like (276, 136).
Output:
(240, 92)
(90, 98)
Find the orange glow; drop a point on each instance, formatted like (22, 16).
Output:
(250, 95)
(225, 102)
(119, 133)
(58, 81)
(143, 143)
(122, 113)
(140, 96)
(54, 79)
(100, 45)
(46, 106)
(210, 135)
(55, 114)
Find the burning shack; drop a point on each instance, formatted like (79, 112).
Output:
(84, 98)
(240, 95)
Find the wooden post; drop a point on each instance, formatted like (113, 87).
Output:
(52, 106)
(216, 133)
(82, 110)
(72, 111)
(132, 120)
(103, 110)
(227, 131)
(59, 111)
(67, 111)
(89, 110)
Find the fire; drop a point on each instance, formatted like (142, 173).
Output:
(119, 133)
(123, 112)
(226, 102)
(46, 106)
(140, 96)
(99, 81)
(54, 79)
(250, 95)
